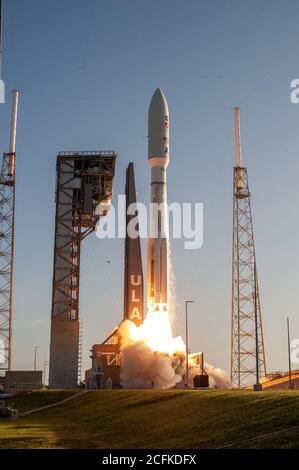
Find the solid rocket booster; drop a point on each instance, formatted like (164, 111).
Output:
(133, 285)
(158, 158)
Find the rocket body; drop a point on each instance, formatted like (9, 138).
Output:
(158, 158)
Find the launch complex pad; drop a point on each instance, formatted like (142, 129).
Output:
(84, 191)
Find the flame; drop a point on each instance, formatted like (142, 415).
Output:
(153, 358)
(156, 331)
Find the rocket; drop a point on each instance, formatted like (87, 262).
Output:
(158, 159)
(133, 285)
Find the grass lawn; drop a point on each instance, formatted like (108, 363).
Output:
(29, 400)
(154, 419)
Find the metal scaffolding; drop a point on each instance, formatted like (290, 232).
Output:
(247, 342)
(7, 216)
(7, 230)
(84, 180)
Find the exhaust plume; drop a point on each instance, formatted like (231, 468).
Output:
(153, 358)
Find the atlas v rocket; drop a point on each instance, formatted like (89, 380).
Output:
(158, 158)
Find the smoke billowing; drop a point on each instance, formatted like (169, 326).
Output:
(153, 358)
(218, 378)
(147, 366)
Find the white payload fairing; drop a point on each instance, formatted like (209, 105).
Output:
(158, 158)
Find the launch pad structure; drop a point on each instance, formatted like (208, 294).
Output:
(83, 181)
(247, 341)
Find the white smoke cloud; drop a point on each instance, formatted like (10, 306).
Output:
(143, 367)
(218, 378)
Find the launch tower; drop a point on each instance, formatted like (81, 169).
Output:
(7, 233)
(247, 342)
(83, 181)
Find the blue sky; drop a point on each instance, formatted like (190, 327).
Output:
(87, 70)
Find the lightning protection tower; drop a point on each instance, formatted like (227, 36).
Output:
(7, 230)
(247, 342)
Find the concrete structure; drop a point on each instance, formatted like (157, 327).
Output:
(20, 380)
(64, 356)
(84, 182)
(105, 368)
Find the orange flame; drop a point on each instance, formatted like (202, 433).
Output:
(156, 331)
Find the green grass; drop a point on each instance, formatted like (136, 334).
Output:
(157, 419)
(34, 399)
